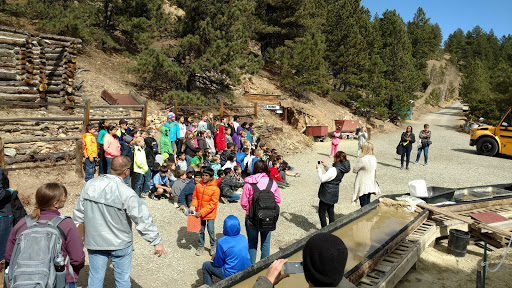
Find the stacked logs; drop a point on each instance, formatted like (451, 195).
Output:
(38, 67)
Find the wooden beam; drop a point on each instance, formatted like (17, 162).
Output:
(40, 139)
(79, 169)
(117, 106)
(2, 155)
(87, 112)
(255, 110)
(40, 157)
(175, 108)
(221, 109)
(44, 119)
(464, 219)
(145, 113)
(19, 103)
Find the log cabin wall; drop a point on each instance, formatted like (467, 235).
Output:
(37, 67)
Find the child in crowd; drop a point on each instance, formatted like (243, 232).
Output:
(215, 165)
(283, 172)
(90, 149)
(207, 158)
(186, 193)
(179, 184)
(274, 174)
(201, 142)
(102, 130)
(221, 175)
(198, 159)
(181, 162)
(140, 166)
(204, 203)
(171, 174)
(165, 143)
(231, 161)
(240, 157)
(220, 139)
(150, 159)
(258, 154)
(210, 142)
(151, 138)
(227, 133)
(203, 125)
(124, 134)
(111, 146)
(237, 138)
(225, 153)
(190, 147)
(228, 185)
(160, 184)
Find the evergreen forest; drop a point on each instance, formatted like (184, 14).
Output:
(373, 64)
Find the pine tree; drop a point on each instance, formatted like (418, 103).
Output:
(425, 38)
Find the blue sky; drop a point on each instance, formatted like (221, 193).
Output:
(453, 14)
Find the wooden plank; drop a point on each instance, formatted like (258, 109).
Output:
(484, 204)
(396, 275)
(79, 170)
(39, 139)
(2, 155)
(462, 218)
(383, 268)
(264, 99)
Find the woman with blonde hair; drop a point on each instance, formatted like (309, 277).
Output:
(365, 168)
(51, 197)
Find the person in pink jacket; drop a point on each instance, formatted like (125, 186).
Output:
(111, 146)
(260, 178)
(336, 135)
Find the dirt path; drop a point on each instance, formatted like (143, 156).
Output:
(452, 163)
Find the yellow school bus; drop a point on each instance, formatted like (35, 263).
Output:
(490, 140)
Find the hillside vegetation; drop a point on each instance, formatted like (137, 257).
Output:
(197, 52)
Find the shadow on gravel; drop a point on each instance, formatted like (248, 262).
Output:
(449, 127)
(187, 240)
(109, 280)
(468, 151)
(390, 165)
(323, 154)
(299, 220)
(199, 280)
(336, 215)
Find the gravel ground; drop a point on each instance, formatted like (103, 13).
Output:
(452, 163)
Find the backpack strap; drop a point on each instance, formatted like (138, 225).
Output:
(56, 221)
(257, 189)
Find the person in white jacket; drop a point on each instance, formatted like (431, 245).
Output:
(365, 183)
(361, 138)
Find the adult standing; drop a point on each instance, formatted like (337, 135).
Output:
(261, 178)
(425, 142)
(406, 141)
(329, 190)
(107, 207)
(365, 169)
(361, 138)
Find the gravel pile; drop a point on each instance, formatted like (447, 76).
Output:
(452, 163)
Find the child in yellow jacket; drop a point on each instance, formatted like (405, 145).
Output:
(90, 148)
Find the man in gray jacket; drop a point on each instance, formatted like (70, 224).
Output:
(107, 207)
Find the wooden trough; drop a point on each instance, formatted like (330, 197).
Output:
(356, 273)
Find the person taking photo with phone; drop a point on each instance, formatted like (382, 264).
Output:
(329, 190)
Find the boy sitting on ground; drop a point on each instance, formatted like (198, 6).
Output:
(181, 162)
(178, 186)
(186, 193)
(228, 184)
(160, 185)
(198, 159)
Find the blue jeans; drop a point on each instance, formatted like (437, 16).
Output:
(210, 224)
(147, 181)
(406, 153)
(188, 159)
(109, 164)
(102, 167)
(89, 169)
(210, 269)
(364, 199)
(425, 153)
(234, 198)
(252, 238)
(138, 183)
(121, 260)
(70, 285)
(5, 229)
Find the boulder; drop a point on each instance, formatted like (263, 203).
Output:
(11, 152)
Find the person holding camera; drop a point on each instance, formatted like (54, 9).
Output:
(329, 190)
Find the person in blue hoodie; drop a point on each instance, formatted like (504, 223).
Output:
(231, 255)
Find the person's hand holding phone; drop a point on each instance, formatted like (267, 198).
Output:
(318, 164)
(274, 271)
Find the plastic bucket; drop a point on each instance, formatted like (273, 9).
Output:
(458, 242)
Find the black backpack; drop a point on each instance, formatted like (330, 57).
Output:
(264, 211)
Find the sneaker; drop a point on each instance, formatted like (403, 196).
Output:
(291, 168)
(402, 168)
(425, 164)
(415, 162)
(185, 211)
(212, 250)
(157, 198)
(407, 168)
(199, 251)
(223, 200)
(281, 186)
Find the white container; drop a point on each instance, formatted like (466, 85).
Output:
(418, 188)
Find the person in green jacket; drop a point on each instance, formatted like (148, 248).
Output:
(165, 142)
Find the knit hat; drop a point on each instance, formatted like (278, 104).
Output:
(171, 115)
(324, 258)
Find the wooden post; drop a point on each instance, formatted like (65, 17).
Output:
(255, 110)
(2, 155)
(175, 109)
(286, 115)
(87, 111)
(145, 114)
(221, 109)
(79, 169)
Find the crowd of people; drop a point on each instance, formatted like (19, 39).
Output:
(195, 172)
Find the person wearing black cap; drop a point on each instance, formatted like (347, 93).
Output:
(324, 259)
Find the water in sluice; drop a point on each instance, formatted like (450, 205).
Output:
(362, 236)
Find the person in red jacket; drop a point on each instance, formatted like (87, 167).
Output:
(204, 205)
(220, 139)
(274, 174)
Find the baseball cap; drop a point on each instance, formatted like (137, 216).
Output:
(123, 121)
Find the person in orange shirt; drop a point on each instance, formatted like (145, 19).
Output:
(90, 148)
(204, 205)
